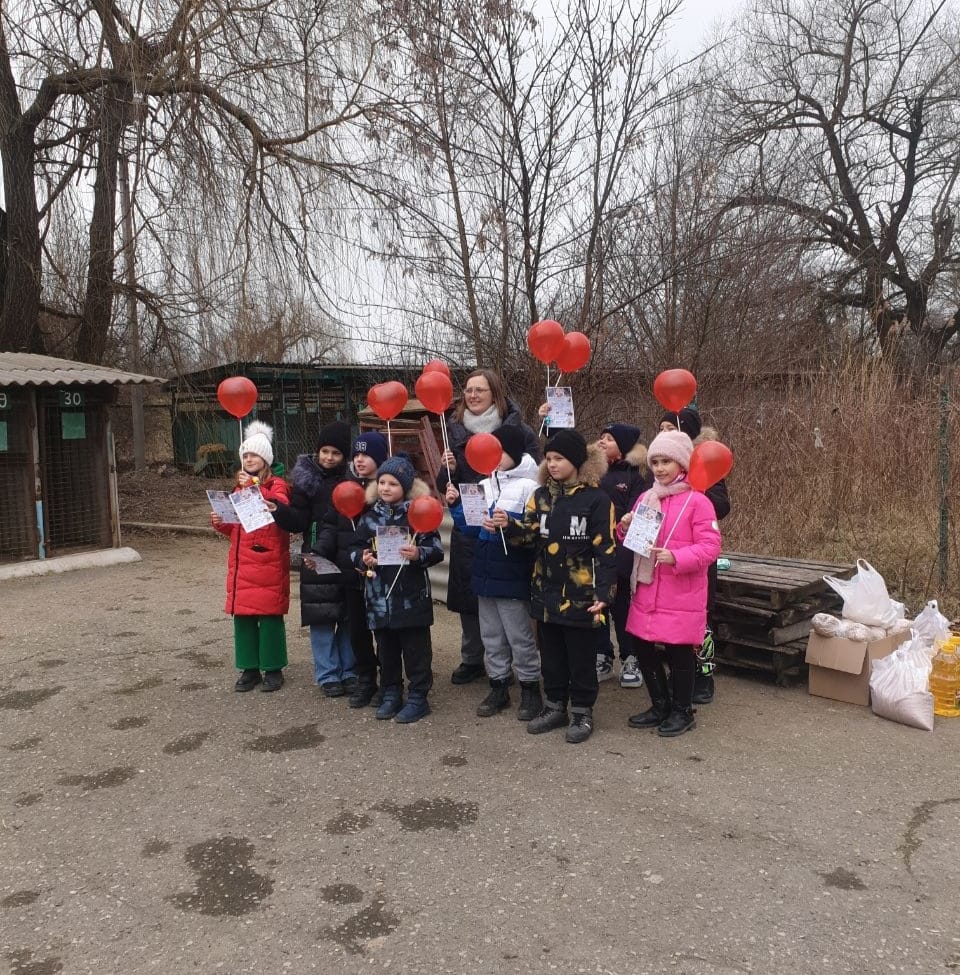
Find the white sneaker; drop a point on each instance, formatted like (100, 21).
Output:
(630, 675)
(604, 666)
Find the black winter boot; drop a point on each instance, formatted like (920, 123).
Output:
(552, 716)
(659, 688)
(248, 680)
(496, 700)
(581, 725)
(363, 694)
(677, 722)
(531, 700)
(702, 689)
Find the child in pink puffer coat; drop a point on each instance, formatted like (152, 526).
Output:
(669, 604)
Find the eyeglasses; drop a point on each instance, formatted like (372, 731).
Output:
(477, 389)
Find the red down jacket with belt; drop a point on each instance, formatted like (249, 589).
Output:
(258, 568)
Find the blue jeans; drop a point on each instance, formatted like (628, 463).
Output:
(332, 652)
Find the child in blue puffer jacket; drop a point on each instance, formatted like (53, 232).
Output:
(501, 579)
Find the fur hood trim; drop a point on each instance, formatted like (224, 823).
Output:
(637, 456)
(590, 472)
(308, 476)
(419, 489)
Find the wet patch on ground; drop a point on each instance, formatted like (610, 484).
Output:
(25, 700)
(124, 634)
(226, 886)
(304, 736)
(147, 684)
(22, 963)
(184, 612)
(453, 761)
(346, 823)
(20, 898)
(922, 813)
(52, 662)
(372, 922)
(201, 659)
(194, 685)
(186, 743)
(424, 814)
(28, 798)
(155, 847)
(843, 880)
(25, 744)
(107, 779)
(125, 724)
(341, 894)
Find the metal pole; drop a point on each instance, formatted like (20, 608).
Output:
(136, 391)
(944, 466)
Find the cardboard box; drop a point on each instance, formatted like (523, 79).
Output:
(840, 668)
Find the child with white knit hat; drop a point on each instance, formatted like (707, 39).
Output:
(258, 571)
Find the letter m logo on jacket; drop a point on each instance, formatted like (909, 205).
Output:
(578, 526)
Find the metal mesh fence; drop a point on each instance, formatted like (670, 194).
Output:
(18, 535)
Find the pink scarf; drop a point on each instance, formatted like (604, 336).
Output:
(643, 565)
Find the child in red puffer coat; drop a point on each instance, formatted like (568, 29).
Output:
(258, 572)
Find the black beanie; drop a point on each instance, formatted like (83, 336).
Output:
(399, 467)
(690, 422)
(512, 440)
(336, 435)
(568, 444)
(625, 434)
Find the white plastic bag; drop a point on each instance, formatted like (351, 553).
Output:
(826, 625)
(931, 625)
(898, 686)
(865, 598)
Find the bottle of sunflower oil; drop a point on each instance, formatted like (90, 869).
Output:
(945, 679)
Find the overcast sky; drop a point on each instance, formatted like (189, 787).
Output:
(695, 19)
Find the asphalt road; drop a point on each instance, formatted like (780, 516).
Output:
(152, 820)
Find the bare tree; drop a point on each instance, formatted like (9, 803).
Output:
(845, 117)
(241, 102)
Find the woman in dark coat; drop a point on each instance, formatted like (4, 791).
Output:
(483, 408)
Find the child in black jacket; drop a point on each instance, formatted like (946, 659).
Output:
(398, 597)
(569, 520)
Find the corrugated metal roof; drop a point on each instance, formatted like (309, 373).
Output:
(26, 369)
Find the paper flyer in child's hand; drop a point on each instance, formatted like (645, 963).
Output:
(320, 565)
(643, 530)
(474, 504)
(560, 401)
(251, 509)
(220, 503)
(390, 539)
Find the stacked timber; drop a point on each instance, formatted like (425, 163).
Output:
(763, 611)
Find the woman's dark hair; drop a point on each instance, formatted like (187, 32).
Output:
(497, 390)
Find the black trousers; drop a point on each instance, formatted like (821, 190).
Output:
(618, 613)
(682, 661)
(361, 639)
(409, 650)
(568, 660)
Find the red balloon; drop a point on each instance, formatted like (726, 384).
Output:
(675, 389)
(437, 365)
(425, 514)
(574, 354)
(349, 498)
(545, 339)
(484, 453)
(387, 399)
(237, 395)
(710, 462)
(435, 391)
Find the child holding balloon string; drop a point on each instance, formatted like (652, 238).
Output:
(500, 575)
(569, 522)
(399, 601)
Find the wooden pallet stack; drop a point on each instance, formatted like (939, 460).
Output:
(763, 610)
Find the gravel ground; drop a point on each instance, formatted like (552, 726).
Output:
(152, 820)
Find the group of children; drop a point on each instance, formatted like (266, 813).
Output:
(549, 570)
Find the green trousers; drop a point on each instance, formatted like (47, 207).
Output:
(260, 642)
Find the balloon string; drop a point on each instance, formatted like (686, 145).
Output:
(446, 446)
(503, 538)
(389, 439)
